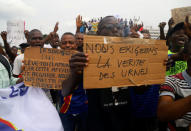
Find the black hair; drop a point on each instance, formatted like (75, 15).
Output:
(32, 31)
(14, 47)
(177, 27)
(68, 33)
(24, 45)
(102, 21)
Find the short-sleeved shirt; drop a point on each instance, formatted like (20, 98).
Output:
(178, 67)
(18, 64)
(178, 86)
(5, 81)
(75, 103)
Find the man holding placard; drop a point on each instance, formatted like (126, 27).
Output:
(105, 108)
(21, 104)
(74, 107)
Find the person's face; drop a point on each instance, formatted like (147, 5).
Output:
(79, 39)
(55, 41)
(179, 38)
(111, 27)
(36, 39)
(14, 51)
(68, 42)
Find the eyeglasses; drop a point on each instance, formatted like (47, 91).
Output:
(70, 42)
(112, 26)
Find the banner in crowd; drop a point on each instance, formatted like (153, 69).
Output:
(179, 14)
(15, 32)
(27, 109)
(116, 61)
(46, 67)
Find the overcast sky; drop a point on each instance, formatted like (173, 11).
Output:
(43, 14)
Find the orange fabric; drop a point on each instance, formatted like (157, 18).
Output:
(65, 106)
(7, 123)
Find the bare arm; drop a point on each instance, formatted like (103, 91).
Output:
(7, 46)
(77, 63)
(78, 23)
(162, 35)
(168, 109)
(50, 36)
(170, 23)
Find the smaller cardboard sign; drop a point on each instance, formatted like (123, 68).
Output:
(179, 14)
(117, 61)
(46, 67)
(15, 32)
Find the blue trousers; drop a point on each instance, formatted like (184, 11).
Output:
(74, 122)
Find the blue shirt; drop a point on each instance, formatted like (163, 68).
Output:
(76, 102)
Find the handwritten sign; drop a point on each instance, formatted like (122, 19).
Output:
(116, 61)
(45, 67)
(179, 14)
(15, 32)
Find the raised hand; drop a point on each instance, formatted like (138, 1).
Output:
(4, 35)
(51, 34)
(170, 23)
(162, 25)
(26, 32)
(77, 63)
(56, 27)
(79, 21)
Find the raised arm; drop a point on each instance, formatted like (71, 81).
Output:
(78, 23)
(170, 23)
(26, 32)
(161, 26)
(77, 63)
(7, 46)
(51, 35)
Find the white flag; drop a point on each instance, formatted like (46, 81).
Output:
(27, 109)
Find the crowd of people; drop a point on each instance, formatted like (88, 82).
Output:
(91, 26)
(165, 107)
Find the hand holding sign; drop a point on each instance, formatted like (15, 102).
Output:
(77, 63)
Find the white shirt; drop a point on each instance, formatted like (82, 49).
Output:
(49, 46)
(18, 64)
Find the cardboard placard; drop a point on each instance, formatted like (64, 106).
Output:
(15, 32)
(116, 61)
(46, 67)
(179, 14)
